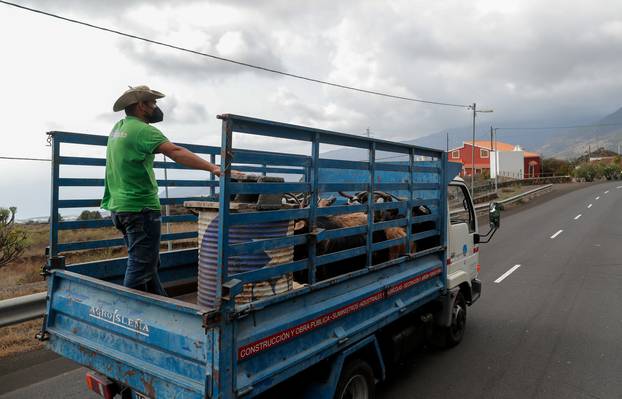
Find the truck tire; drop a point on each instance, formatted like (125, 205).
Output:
(356, 381)
(455, 332)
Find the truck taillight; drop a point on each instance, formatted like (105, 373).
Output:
(477, 267)
(475, 250)
(101, 385)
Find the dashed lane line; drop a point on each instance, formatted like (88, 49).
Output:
(589, 206)
(504, 275)
(577, 217)
(556, 234)
(597, 198)
(607, 192)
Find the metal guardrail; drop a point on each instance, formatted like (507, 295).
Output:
(23, 308)
(514, 198)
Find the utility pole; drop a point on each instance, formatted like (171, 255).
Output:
(496, 161)
(368, 132)
(490, 159)
(448, 142)
(490, 138)
(473, 152)
(475, 111)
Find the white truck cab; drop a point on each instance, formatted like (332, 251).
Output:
(463, 248)
(463, 266)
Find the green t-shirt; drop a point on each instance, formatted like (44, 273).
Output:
(130, 184)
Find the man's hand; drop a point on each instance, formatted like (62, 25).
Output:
(238, 175)
(188, 158)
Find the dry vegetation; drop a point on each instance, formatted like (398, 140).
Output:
(22, 276)
(20, 338)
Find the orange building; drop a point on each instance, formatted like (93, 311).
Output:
(532, 162)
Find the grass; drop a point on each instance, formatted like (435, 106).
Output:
(22, 276)
(20, 338)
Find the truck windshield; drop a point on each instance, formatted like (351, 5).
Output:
(460, 208)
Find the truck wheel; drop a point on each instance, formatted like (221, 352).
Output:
(455, 332)
(356, 381)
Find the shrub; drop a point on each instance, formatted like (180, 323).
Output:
(90, 215)
(13, 238)
(612, 171)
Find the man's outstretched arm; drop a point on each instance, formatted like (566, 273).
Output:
(186, 157)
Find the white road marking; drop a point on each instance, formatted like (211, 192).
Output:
(556, 234)
(607, 192)
(619, 187)
(504, 275)
(577, 217)
(589, 206)
(597, 198)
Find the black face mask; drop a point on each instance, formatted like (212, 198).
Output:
(156, 115)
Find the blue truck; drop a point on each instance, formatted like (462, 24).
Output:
(327, 337)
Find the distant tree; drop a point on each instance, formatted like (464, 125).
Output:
(599, 152)
(589, 171)
(90, 215)
(60, 218)
(612, 171)
(557, 167)
(13, 239)
(603, 152)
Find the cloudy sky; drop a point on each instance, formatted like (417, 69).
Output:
(530, 61)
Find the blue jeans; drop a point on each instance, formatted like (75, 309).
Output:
(141, 232)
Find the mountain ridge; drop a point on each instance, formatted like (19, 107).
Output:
(561, 141)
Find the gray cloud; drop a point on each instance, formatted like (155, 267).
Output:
(526, 61)
(99, 8)
(525, 64)
(310, 113)
(244, 46)
(183, 112)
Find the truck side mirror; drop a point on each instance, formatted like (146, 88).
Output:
(494, 215)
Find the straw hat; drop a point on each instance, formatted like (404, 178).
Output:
(134, 95)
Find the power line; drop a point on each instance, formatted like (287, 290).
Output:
(26, 159)
(557, 127)
(245, 64)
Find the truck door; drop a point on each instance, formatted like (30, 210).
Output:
(463, 252)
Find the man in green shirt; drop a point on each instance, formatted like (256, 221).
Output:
(131, 190)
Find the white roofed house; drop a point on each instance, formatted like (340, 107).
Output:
(502, 159)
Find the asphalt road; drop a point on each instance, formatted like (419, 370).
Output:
(551, 328)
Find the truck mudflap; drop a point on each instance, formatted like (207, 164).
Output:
(476, 291)
(156, 346)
